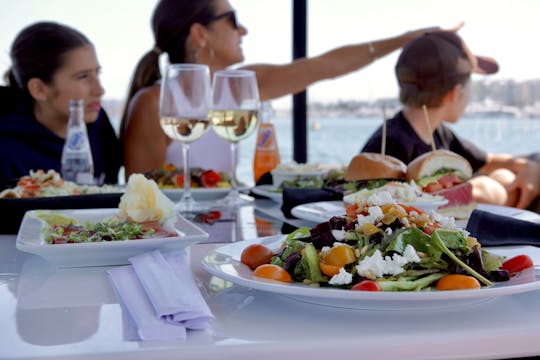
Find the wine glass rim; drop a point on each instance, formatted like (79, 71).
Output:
(188, 66)
(235, 72)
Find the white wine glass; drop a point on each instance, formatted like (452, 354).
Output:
(184, 106)
(234, 116)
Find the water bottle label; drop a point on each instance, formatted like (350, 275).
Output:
(75, 140)
(265, 139)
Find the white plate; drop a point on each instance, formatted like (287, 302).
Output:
(29, 239)
(197, 193)
(224, 262)
(266, 190)
(323, 210)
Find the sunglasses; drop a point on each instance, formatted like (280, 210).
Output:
(229, 15)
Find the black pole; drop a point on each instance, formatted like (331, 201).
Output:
(300, 100)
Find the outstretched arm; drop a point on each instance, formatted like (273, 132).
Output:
(278, 80)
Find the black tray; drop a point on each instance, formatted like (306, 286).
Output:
(13, 210)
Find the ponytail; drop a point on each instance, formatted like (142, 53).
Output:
(146, 73)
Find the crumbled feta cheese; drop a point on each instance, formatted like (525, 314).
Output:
(388, 231)
(341, 278)
(375, 266)
(381, 198)
(374, 214)
(446, 222)
(339, 234)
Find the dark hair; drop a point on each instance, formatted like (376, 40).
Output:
(412, 95)
(171, 21)
(38, 52)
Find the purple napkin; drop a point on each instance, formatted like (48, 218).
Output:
(499, 230)
(160, 295)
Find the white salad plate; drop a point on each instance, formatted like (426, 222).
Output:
(30, 239)
(224, 262)
(323, 210)
(201, 194)
(269, 191)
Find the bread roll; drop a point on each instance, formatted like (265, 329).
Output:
(371, 166)
(427, 164)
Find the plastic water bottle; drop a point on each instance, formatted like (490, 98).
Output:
(77, 162)
(266, 150)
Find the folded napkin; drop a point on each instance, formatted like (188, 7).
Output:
(296, 196)
(498, 230)
(160, 295)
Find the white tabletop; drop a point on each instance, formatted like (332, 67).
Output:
(73, 313)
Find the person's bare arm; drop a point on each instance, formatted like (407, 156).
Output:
(144, 142)
(527, 181)
(278, 80)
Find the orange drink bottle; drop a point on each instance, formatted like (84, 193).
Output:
(266, 150)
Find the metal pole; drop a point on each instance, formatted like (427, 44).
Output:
(300, 100)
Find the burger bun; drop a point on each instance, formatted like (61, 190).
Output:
(372, 166)
(427, 164)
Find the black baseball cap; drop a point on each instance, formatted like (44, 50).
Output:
(438, 58)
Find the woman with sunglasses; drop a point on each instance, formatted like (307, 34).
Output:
(207, 32)
(51, 64)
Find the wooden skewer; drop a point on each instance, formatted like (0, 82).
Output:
(428, 124)
(383, 144)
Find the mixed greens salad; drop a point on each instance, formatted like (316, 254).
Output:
(392, 247)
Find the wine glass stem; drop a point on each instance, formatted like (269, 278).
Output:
(234, 185)
(186, 196)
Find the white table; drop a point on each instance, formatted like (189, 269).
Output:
(73, 313)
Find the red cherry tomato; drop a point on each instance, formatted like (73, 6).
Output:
(179, 180)
(517, 264)
(255, 255)
(210, 178)
(367, 285)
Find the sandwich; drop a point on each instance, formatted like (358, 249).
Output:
(375, 167)
(445, 173)
(369, 171)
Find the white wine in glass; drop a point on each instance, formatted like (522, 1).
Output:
(234, 115)
(184, 105)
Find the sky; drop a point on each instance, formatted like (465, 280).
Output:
(120, 29)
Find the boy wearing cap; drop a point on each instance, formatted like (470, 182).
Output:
(434, 71)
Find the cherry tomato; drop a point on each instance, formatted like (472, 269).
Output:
(339, 256)
(367, 285)
(410, 208)
(329, 270)
(179, 179)
(210, 178)
(255, 255)
(272, 272)
(517, 264)
(457, 282)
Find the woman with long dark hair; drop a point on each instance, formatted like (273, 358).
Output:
(51, 64)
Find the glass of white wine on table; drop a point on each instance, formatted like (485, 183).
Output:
(184, 106)
(234, 116)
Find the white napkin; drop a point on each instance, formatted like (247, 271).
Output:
(160, 295)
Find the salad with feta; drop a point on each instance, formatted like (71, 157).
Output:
(144, 212)
(394, 192)
(46, 184)
(390, 247)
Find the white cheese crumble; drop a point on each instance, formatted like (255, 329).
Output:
(446, 222)
(341, 278)
(381, 198)
(374, 215)
(339, 234)
(375, 266)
